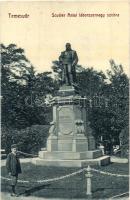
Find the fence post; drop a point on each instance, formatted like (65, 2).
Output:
(88, 179)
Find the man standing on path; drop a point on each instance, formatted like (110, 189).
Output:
(13, 167)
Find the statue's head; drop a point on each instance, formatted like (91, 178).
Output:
(68, 46)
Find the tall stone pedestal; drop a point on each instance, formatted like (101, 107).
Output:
(71, 142)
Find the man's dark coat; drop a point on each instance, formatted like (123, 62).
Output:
(13, 164)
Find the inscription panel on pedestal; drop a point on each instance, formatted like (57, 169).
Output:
(66, 120)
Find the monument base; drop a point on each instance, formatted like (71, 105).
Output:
(69, 155)
(101, 161)
(71, 141)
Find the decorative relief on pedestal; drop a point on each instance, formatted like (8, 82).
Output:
(79, 127)
(66, 120)
(52, 130)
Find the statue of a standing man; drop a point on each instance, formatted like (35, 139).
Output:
(68, 59)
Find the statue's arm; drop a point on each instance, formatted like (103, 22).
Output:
(75, 61)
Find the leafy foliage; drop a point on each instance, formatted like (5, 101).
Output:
(29, 140)
(124, 142)
(22, 89)
(90, 82)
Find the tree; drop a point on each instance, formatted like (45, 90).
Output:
(15, 70)
(119, 98)
(22, 89)
(124, 141)
(107, 121)
(90, 81)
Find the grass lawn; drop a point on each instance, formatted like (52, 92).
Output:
(103, 186)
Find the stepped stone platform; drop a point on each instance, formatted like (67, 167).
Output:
(70, 155)
(101, 161)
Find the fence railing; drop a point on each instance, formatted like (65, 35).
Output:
(88, 174)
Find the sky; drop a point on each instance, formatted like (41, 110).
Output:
(43, 37)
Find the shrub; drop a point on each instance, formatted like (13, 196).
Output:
(29, 140)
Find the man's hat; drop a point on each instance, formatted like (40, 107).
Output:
(13, 146)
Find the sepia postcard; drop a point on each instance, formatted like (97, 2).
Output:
(65, 99)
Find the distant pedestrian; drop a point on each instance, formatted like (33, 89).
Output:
(13, 167)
